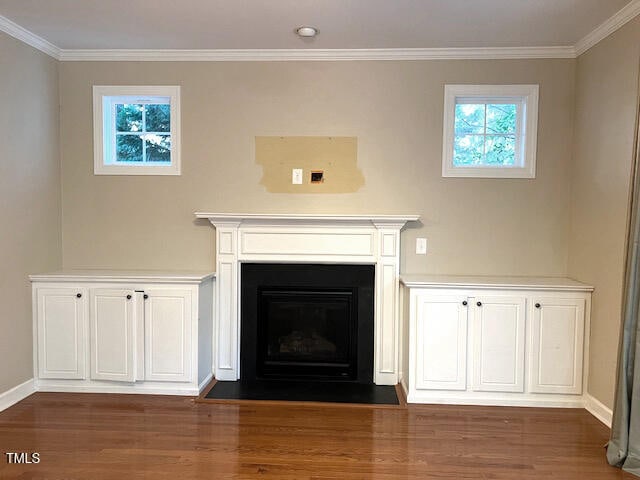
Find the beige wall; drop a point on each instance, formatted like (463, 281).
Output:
(606, 106)
(474, 226)
(29, 195)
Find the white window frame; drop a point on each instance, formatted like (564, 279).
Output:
(526, 96)
(104, 99)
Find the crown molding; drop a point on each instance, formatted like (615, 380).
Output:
(277, 55)
(24, 35)
(602, 31)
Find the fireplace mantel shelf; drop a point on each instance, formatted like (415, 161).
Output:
(319, 218)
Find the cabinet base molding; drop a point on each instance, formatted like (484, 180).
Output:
(598, 409)
(17, 393)
(520, 401)
(148, 388)
(22, 391)
(551, 401)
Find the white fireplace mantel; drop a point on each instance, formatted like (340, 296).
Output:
(313, 218)
(307, 238)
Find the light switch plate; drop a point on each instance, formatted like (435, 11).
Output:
(421, 246)
(296, 176)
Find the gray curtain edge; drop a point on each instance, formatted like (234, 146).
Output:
(623, 449)
(619, 445)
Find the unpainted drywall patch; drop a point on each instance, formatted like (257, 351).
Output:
(336, 158)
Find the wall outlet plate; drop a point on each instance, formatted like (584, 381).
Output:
(421, 246)
(296, 176)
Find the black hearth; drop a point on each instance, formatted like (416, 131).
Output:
(306, 322)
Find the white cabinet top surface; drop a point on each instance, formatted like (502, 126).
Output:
(487, 282)
(123, 276)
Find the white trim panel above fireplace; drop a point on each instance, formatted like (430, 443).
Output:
(313, 238)
(304, 242)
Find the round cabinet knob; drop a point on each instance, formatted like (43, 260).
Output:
(145, 296)
(464, 302)
(79, 295)
(537, 305)
(128, 297)
(479, 304)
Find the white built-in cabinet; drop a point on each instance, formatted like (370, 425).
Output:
(113, 339)
(167, 345)
(123, 332)
(498, 336)
(441, 321)
(557, 344)
(495, 341)
(61, 320)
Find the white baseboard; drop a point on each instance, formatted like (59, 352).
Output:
(14, 395)
(204, 383)
(598, 409)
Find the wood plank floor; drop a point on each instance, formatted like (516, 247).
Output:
(91, 436)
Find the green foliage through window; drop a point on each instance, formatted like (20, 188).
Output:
(143, 133)
(485, 134)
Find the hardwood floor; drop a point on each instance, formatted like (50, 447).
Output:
(93, 436)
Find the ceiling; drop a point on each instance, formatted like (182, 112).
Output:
(343, 24)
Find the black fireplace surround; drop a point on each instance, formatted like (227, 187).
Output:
(306, 322)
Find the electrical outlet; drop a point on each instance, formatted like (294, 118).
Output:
(296, 176)
(421, 246)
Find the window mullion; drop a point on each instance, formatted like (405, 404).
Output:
(144, 129)
(484, 137)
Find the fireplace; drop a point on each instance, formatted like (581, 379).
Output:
(310, 322)
(327, 239)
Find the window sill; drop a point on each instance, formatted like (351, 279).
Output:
(488, 172)
(136, 170)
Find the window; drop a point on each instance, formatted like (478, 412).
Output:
(490, 131)
(136, 130)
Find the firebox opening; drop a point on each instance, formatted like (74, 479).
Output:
(307, 322)
(307, 332)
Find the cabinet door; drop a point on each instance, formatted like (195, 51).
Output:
(440, 342)
(167, 315)
(557, 340)
(112, 335)
(61, 317)
(498, 334)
